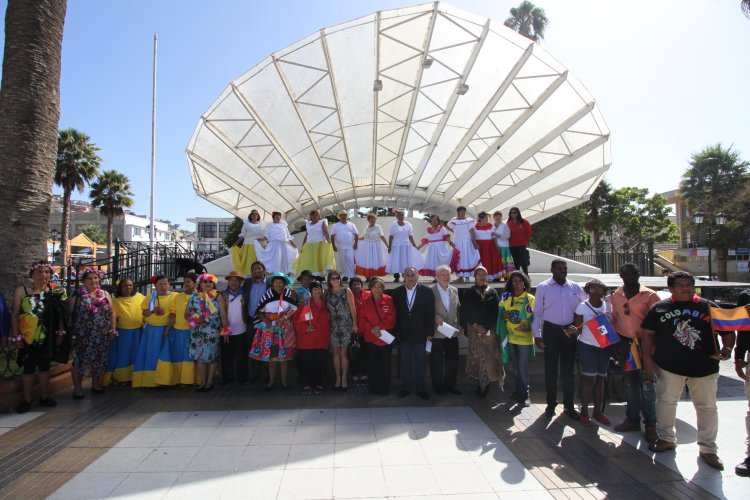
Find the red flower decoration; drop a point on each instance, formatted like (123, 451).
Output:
(153, 280)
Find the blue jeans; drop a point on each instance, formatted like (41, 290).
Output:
(519, 357)
(413, 365)
(641, 398)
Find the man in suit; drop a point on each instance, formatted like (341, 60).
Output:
(444, 355)
(252, 291)
(415, 320)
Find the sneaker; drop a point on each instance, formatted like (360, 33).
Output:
(713, 460)
(307, 390)
(318, 389)
(743, 469)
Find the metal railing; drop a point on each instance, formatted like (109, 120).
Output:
(611, 255)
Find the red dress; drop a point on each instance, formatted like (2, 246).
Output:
(489, 254)
(317, 337)
(385, 321)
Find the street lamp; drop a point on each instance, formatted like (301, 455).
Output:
(54, 235)
(720, 220)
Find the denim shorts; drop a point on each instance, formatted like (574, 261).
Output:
(593, 360)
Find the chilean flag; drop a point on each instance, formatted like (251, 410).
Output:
(729, 320)
(603, 331)
(306, 311)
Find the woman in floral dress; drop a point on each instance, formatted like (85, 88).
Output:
(93, 330)
(343, 313)
(204, 318)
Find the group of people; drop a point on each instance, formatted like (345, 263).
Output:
(170, 338)
(498, 246)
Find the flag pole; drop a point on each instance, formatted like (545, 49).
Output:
(152, 229)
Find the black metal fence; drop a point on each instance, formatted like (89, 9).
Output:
(611, 255)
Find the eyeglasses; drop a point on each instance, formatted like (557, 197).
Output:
(626, 309)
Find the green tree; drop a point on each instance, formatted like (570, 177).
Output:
(714, 180)
(561, 233)
(528, 20)
(94, 233)
(77, 165)
(233, 233)
(599, 217)
(111, 194)
(30, 104)
(640, 217)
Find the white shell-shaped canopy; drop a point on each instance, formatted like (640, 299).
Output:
(426, 107)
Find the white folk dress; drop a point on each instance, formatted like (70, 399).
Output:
(371, 254)
(403, 253)
(278, 255)
(469, 256)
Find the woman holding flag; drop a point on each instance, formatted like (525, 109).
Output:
(204, 318)
(593, 355)
(514, 319)
(313, 327)
(156, 310)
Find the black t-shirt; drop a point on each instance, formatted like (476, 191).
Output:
(684, 339)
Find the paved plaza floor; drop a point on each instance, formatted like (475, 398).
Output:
(241, 442)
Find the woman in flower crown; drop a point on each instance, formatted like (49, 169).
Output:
(93, 330)
(156, 309)
(37, 319)
(204, 318)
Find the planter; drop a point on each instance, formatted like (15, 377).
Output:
(11, 392)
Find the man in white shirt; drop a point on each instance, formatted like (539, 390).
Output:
(344, 241)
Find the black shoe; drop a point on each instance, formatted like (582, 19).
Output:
(403, 393)
(78, 396)
(455, 391)
(550, 411)
(97, 391)
(743, 469)
(47, 402)
(423, 395)
(572, 413)
(23, 407)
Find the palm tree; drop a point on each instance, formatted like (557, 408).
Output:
(111, 193)
(745, 6)
(529, 20)
(30, 100)
(77, 165)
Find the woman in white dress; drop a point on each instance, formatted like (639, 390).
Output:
(440, 249)
(245, 250)
(402, 251)
(281, 251)
(463, 228)
(317, 253)
(372, 252)
(501, 233)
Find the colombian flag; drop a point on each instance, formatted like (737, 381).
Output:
(633, 359)
(729, 320)
(603, 331)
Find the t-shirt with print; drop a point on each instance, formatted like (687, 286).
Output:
(684, 339)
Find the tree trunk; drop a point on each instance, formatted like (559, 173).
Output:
(721, 263)
(30, 103)
(109, 235)
(65, 233)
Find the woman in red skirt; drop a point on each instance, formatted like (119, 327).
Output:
(488, 253)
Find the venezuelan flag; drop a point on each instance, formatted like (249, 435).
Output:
(603, 331)
(633, 359)
(729, 320)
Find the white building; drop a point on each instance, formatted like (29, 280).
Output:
(210, 232)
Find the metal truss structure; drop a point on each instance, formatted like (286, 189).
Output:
(426, 107)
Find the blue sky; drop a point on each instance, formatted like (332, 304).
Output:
(670, 76)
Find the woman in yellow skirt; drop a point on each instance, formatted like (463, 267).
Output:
(317, 252)
(245, 250)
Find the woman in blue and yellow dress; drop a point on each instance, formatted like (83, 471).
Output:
(204, 318)
(156, 309)
(175, 365)
(127, 306)
(317, 253)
